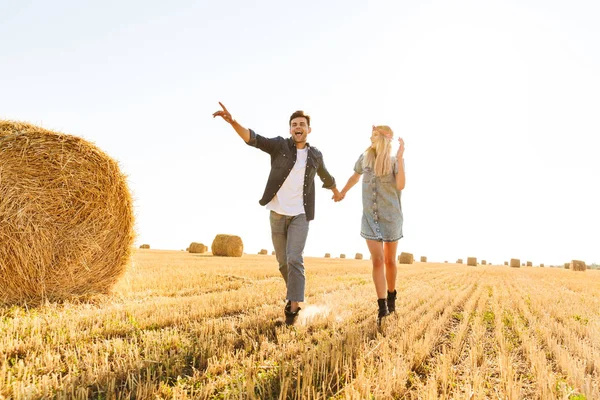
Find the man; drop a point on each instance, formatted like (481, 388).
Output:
(290, 196)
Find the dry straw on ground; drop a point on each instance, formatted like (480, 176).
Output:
(145, 246)
(67, 217)
(423, 259)
(472, 261)
(263, 252)
(227, 245)
(196, 247)
(358, 256)
(406, 258)
(515, 263)
(577, 265)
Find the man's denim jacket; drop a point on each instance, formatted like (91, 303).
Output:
(283, 157)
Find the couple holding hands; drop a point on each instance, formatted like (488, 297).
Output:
(290, 196)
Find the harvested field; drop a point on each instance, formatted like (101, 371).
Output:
(175, 328)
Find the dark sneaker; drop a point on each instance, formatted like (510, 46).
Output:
(391, 301)
(291, 317)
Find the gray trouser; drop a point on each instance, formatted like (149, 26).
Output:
(289, 237)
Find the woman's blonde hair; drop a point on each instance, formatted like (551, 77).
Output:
(377, 156)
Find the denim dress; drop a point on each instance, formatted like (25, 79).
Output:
(382, 209)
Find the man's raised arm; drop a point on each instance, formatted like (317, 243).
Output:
(241, 131)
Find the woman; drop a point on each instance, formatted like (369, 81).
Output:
(383, 182)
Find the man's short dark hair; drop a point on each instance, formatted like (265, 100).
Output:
(300, 113)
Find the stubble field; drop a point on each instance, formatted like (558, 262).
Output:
(184, 326)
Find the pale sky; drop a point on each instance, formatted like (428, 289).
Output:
(498, 103)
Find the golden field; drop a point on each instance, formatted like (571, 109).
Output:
(193, 326)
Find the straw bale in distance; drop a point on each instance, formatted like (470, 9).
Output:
(472, 261)
(505, 262)
(529, 264)
(567, 266)
(541, 265)
(423, 259)
(459, 261)
(577, 265)
(358, 256)
(197, 248)
(273, 253)
(227, 246)
(263, 252)
(515, 263)
(67, 216)
(327, 255)
(406, 258)
(145, 246)
(342, 256)
(483, 262)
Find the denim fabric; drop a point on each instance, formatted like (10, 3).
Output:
(382, 207)
(283, 154)
(289, 237)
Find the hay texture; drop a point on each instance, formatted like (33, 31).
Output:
(423, 259)
(145, 246)
(406, 258)
(67, 225)
(263, 252)
(227, 246)
(196, 247)
(529, 264)
(483, 262)
(515, 263)
(342, 256)
(327, 255)
(459, 261)
(472, 261)
(358, 256)
(577, 265)
(567, 266)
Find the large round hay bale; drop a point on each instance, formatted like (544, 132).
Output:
(327, 255)
(472, 261)
(263, 252)
(197, 248)
(567, 265)
(66, 215)
(227, 246)
(506, 263)
(578, 265)
(406, 258)
(483, 262)
(423, 259)
(342, 255)
(515, 263)
(144, 246)
(358, 256)
(529, 264)
(459, 261)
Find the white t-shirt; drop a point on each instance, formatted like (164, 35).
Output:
(289, 200)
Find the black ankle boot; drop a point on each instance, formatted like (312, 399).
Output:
(383, 309)
(391, 301)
